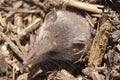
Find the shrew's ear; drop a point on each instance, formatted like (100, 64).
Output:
(51, 16)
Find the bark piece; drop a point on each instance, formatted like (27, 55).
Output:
(99, 45)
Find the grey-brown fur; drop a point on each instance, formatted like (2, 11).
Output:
(59, 34)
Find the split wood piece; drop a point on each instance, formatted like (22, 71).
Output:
(92, 1)
(29, 28)
(2, 21)
(85, 6)
(20, 10)
(22, 76)
(32, 40)
(99, 45)
(22, 49)
(18, 22)
(90, 20)
(62, 75)
(16, 5)
(93, 73)
(115, 74)
(3, 65)
(116, 36)
(13, 46)
(39, 3)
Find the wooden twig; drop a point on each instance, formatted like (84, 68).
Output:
(99, 45)
(29, 28)
(80, 5)
(13, 46)
(84, 6)
(22, 49)
(89, 19)
(39, 3)
(16, 5)
(20, 10)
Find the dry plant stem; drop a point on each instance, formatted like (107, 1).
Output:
(85, 6)
(92, 1)
(18, 20)
(16, 6)
(13, 76)
(12, 45)
(20, 10)
(97, 15)
(29, 28)
(22, 49)
(32, 40)
(81, 5)
(99, 45)
(89, 19)
(39, 3)
(93, 73)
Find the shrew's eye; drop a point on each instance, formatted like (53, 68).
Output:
(79, 46)
(53, 53)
